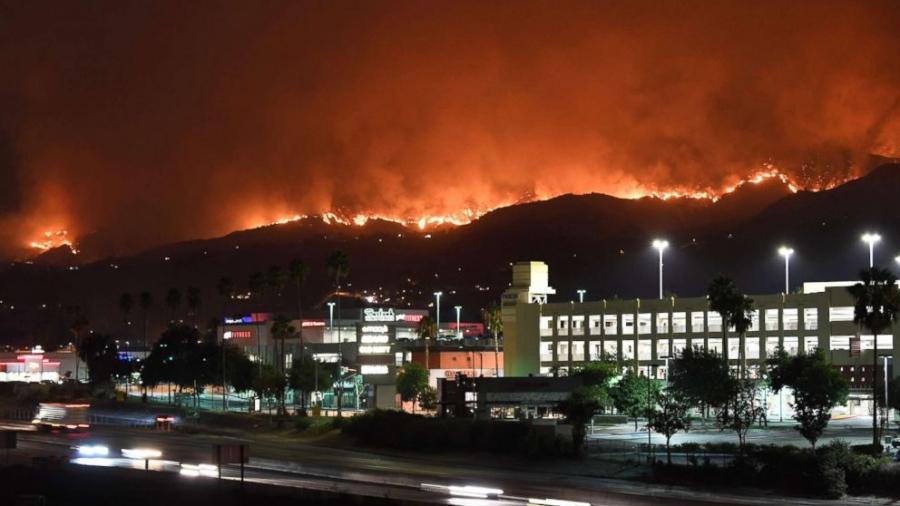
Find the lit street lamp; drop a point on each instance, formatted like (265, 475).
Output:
(660, 245)
(871, 239)
(581, 296)
(786, 253)
(458, 333)
(437, 312)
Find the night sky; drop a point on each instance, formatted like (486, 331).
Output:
(158, 121)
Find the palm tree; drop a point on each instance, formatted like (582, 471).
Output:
(426, 330)
(735, 309)
(282, 329)
(194, 300)
(298, 272)
(493, 320)
(225, 289)
(173, 302)
(877, 301)
(145, 300)
(77, 323)
(257, 285)
(126, 302)
(275, 279)
(338, 266)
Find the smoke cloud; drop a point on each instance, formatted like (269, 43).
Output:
(158, 121)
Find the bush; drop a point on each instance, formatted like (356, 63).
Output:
(338, 422)
(303, 422)
(404, 431)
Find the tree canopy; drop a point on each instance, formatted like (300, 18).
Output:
(411, 381)
(818, 387)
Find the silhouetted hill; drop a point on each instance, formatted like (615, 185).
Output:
(593, 242)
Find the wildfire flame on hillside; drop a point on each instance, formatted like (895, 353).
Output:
(51, 240)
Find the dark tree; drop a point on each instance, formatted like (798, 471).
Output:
(194, 301)
(78, 323)
(411, 380)
(146, 302)
(309, 375)
(100, 353)
(670, 416)
(173, 302)
(742, 411)
(493, 321)
(633, 394)
(579, 409)
(702, 377)
(818, 387)
(876, 303)
(736, 310)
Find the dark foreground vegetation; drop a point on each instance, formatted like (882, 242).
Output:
(828, 472)
(73, 485)
(403, 431)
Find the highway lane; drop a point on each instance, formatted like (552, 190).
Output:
(296, 464)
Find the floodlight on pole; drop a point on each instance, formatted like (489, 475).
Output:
(871, 239)
(786, 253)
(660, 245)
(458, 333)
(581, 296)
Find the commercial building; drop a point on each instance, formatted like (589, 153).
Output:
(541, 335)
(371, 343)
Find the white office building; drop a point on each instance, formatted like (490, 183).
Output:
(540, 335)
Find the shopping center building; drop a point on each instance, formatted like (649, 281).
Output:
(371, 343)
(540, 335)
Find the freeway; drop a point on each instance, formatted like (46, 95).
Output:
(295, 464)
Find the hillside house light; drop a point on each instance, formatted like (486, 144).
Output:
(871, 239)
(786, 253)
(660, 245)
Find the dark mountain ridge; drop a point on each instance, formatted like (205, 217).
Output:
(593, 242)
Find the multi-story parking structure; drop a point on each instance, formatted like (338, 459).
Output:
(644, 333)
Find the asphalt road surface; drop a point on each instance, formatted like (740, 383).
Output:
(293, 464)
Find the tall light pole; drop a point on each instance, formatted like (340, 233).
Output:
(871, 239)
(581, 296)
(224, 383)
(887, 406)
(437, 312)
(458, 333)
(786, 253)
(331, 320)
(660, 245)
(331, 331)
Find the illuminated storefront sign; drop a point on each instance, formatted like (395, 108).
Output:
(370, 349)
(378, 315)
(312, 323)
(374, 339)
(237, 334)
(373, 369)
(240, 319)
(379, 329)
(388, 315)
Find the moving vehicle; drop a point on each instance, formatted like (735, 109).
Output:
(60, 417)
